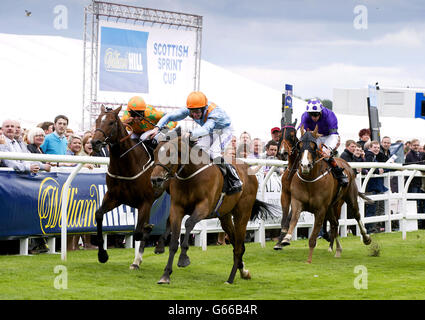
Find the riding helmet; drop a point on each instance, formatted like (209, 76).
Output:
(136, 103)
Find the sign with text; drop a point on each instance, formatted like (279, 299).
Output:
(31, 205)
(156, 63)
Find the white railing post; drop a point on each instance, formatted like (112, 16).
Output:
(64, 210)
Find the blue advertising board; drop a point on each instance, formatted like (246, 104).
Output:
(31, 205)
(123, 60)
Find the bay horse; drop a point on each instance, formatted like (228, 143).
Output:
(286, 149)
(127, 179)
(314, 189)
(196, 186)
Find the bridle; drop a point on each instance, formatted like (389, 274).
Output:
(316, 153)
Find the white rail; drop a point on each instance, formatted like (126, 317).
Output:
(211, 226)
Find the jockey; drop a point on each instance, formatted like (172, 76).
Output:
(325, 119)
(214, 134)
(142, 117)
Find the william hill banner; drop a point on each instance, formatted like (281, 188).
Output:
(31, 205)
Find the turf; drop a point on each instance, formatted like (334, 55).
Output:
(395, 270)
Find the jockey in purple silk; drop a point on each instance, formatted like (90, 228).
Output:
(327, 123)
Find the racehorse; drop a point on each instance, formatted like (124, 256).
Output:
(196, 186)
(314, 189)
(287, 149)
(127, 179)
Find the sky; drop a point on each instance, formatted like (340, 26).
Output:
(314, 45)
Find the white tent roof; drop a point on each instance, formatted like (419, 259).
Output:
(42, 76)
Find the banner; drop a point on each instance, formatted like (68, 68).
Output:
(157, 63)
(31, 205)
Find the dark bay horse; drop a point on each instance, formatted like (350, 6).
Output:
(196, 186)
(314, 189)
(287, 148)
(127, 179)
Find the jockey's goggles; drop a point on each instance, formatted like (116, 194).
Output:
(314, 114)
(134, 113)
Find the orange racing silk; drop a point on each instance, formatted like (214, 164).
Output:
(152, 115)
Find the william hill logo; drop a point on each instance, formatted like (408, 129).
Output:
(129, 62)
(81, 212)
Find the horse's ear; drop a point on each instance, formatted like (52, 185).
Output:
(102, 109)
(117, 110)
(302, 130)
(295, 123)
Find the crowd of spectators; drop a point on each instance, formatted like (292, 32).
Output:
(367, 150)
(56, 138)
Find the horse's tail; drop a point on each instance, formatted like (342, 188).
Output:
(264, 210)
(365, 198)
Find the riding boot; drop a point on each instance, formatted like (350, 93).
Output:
(231, 179)
(338, 172)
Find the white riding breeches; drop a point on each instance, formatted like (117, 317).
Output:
(330, 141)
(216, 143)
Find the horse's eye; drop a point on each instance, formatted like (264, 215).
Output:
(111, 123)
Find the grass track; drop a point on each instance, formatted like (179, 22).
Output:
(398, 273)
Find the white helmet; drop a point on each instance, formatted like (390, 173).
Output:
(314, 105)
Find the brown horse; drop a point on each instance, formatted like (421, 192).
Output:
(127, 179)
(314, 189)
(287, 149)
(196, 186)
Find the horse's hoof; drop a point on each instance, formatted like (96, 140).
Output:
(164, 280)
(183, 262)
(245, 275)
(102, 256)
(338, 254)
(285, 243)
(367, 240)
(134, 266)
(278, 246)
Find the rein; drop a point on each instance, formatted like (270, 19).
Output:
(145, 167)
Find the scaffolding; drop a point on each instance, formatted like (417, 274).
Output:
(97, 11)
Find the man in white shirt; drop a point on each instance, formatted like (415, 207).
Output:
(12, 145)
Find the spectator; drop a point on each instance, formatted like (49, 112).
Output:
(384, 153)
(374, 186)
(348, 153)
(358, 155)
(406, 147)
(87, 149)
(245, 137)
(271, 152)
(276, 134)
(415, 156)
(55, 142)
(364, 135)
(230, 153)
(75, 147)
(69, 132)
(256, 148)
(35, 140)
(47, 126)
(11, 145)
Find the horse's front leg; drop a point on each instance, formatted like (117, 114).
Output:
(285, 200)
(176, 216)
(107, 205)
(143, 230)
(200, 212)
(296, 211)
(319, 217)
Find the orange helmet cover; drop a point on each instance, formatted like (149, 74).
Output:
(136, 103)
(196, 99)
